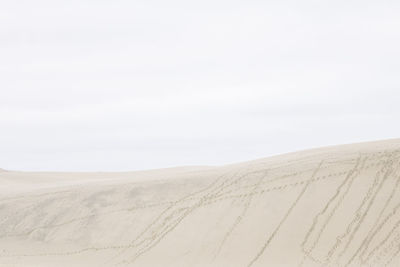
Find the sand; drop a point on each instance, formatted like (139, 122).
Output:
(334, 206)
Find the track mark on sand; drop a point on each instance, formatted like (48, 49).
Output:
(283, 220)
(339, 195)
(239, 218)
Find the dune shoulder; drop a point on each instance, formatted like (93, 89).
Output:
(334, 206)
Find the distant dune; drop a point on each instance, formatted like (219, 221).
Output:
(334, 206)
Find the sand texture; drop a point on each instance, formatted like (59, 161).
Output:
(334, 206)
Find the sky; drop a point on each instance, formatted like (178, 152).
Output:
(124, 85)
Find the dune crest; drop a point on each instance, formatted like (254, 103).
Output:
(334, 206)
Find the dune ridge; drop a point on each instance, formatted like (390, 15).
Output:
(333, 206)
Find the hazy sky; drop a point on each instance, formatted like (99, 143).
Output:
(126, 85)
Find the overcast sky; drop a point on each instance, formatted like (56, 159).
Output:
(92, 85)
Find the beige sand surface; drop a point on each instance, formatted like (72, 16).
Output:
(335, 206)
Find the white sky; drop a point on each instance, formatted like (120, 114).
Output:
(126, 85)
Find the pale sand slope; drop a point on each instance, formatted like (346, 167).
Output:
(336, 206)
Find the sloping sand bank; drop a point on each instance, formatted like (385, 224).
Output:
(335, 206)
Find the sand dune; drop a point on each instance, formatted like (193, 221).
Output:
(335, 206)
